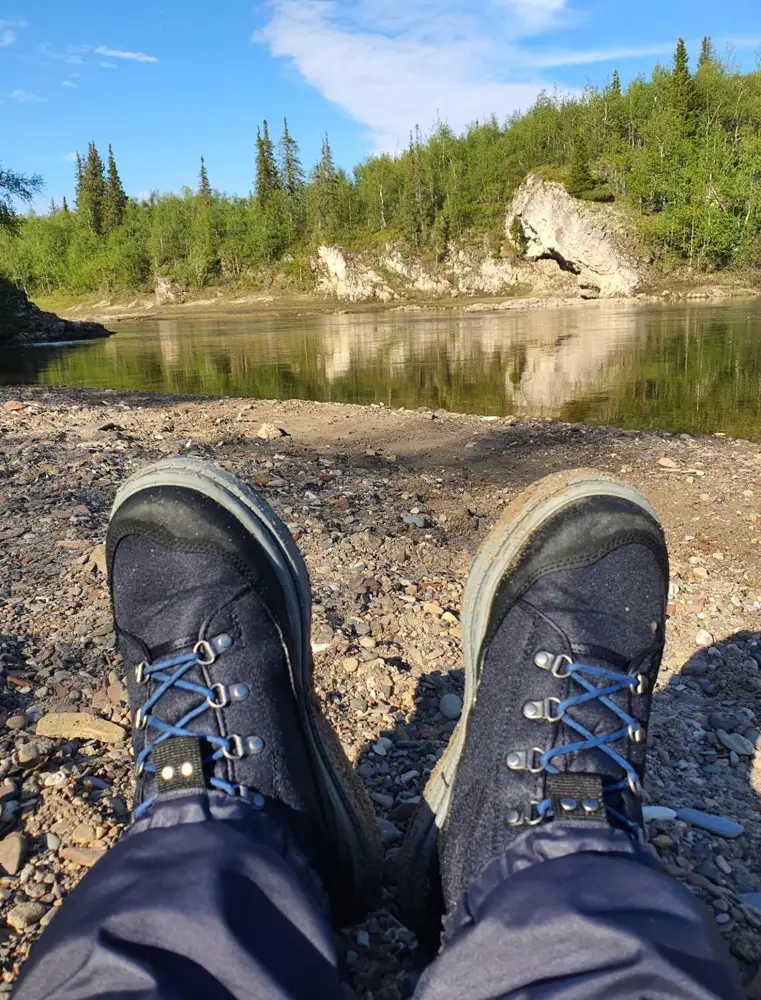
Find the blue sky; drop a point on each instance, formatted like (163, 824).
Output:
(166, 82)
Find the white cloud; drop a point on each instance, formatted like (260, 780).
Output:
(7, 35)
(534, 15)
(68, 83)
(121, 54)
(392, 64)
(585, 57)
(108, 65)
(71, 157)
(24, 97)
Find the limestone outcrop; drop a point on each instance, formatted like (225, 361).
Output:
(585, 239)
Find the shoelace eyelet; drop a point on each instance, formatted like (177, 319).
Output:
(240, 750)
(223, 696)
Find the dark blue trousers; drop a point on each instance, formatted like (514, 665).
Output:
(207, 898)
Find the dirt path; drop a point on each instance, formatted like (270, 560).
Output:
(387, 507)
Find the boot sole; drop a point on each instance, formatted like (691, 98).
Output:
(347, 812)
(421, 898)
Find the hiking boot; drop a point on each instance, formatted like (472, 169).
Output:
(563, 629)
(212, 608)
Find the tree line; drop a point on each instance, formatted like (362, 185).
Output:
(680, 151)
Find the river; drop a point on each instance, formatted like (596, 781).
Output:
(693, 368)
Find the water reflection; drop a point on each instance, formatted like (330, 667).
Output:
(694, 368)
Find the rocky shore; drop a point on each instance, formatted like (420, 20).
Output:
(388, 507)
(22, 322)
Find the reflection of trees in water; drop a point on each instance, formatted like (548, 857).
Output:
(702, 377)
(687, 368)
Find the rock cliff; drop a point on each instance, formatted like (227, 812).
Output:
(584, 239)
(567, 247)
(21, 322)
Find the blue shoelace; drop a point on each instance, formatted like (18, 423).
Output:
(170, 673)
(614, 682)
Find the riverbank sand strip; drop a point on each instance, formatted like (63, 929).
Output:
(387, 507)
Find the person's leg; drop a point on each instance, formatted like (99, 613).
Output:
(245, 806)
(536, 802)
(202, 898)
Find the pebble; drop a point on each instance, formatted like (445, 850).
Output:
(704, 638)
(79, 726)
(12, 853)
(736, 742)
(416, 520)
(722, 826)
(83, 833)
(450, 706)
(363, 939)
(52, 842)
(722, 918)
(85, 856)
(662, 840)
(350, 664)
(28, 753)
(388, 831)
(24, 915)
(97, 559)
(383, 800)
(270, 432)
(751, 899)
(652, 814)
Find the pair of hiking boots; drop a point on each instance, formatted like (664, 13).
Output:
(563, 628)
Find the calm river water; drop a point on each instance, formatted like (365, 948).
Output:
(675, 367)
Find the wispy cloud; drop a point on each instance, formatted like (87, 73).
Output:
(7, 34)
(585, 57)
(108, 65)
(71, 157)
(121, 54)
(392, 64)
(24, 97)
(68, 83)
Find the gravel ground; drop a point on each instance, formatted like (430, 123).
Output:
(388, 507)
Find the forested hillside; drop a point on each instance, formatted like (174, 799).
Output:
(680, 150)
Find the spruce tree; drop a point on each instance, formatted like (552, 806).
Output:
(267, 178)
(65, 206)
(682, 84)
(52, 208)
(114, 198)
(707, 54)
(92, 191)
(580, 178)
(204, 188)
(615, 84)
(80, 170)
(326, 168)
(324, 192)
(291, 171)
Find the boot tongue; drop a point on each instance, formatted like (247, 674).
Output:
(170, 605)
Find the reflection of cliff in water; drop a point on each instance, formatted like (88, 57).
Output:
(682, 367)
(535, 360)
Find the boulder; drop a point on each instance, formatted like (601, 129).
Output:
(22, 322)
(585, 239)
